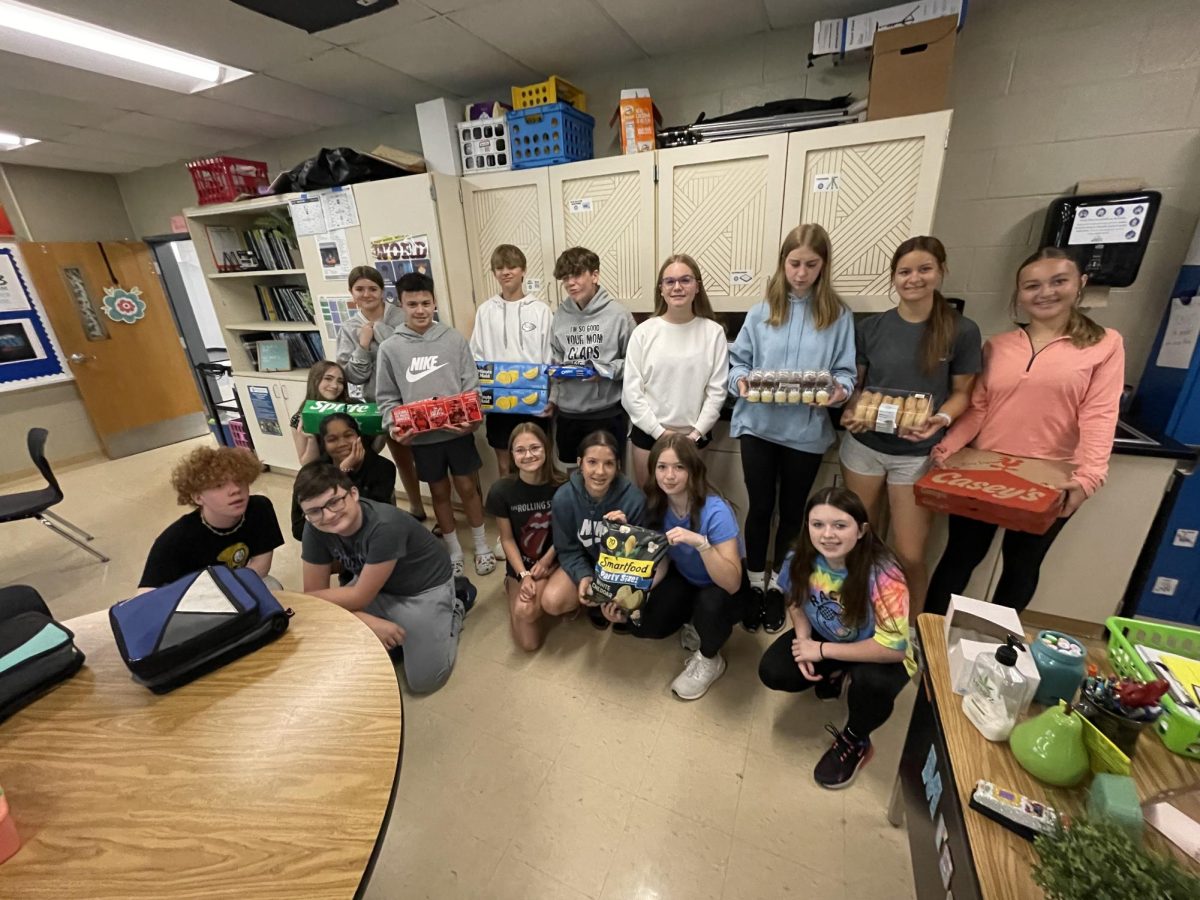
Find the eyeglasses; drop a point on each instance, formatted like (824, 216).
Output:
(684, 281)
(535, 450)
(335, 505)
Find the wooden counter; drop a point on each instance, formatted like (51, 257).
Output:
(271, 777)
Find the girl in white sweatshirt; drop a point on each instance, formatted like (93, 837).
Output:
(511, 327)
(676, 364)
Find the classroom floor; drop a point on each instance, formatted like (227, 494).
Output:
(567, 774)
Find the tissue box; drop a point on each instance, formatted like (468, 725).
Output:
(974, 627)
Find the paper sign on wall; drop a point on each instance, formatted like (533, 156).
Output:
(264, 410)
(12, 297)
(1183, 330)
(334, 309)
(334, 253)
(339, 208)
(308, 215)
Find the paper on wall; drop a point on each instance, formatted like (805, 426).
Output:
(339, 208)
(858, 32)
(334, 309)
(334, 253)
(12, 297)
(1183, 330)
(308, 215)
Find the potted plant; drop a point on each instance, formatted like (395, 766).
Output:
(1098, 861)
(1121, 709)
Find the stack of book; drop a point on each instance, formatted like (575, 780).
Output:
(255, 249)
(285, 303)
(304, 347)
(271, 246)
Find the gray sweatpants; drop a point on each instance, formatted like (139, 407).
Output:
(432, 621)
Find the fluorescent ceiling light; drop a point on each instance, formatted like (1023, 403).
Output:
(30, 31)
(9, 141)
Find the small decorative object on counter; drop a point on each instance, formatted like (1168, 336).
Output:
(1114, 798)
(1121, 709)
(995, 691)
(1060, 662)
(1018, 813)
(1050, 746)
(786, 386)
(891, 412)
(10, 841)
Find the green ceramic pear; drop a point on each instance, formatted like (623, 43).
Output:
(1050, 747)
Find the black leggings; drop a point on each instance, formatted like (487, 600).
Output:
(873, 686)
(1021, 556)
(675, 601)
(770, 469)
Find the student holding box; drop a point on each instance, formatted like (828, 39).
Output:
(326, 381)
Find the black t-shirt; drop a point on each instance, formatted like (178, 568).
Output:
(188, 545)
(527, 508)
(375, 480)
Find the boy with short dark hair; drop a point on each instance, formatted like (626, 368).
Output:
(424, 359)
(590, 327)
(402, 584)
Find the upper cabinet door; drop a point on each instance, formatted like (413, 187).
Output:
(509, 208)
(607, 205)
(871, 185)
(722, 203)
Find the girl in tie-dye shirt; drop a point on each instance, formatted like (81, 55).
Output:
(848, 605)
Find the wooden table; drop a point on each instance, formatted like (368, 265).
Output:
(988, 860)
(271, 777)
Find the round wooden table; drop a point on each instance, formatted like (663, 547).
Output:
(271, 777)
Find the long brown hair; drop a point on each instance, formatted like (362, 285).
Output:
(937, 340)
(317, 372)
(698, 488)
(827, 307)
(1083, 331)
(701, 306)
(869, 555)
(548, 473)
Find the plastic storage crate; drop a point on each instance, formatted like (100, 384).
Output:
(552, 90)
(221, 179)
(483, 145)
(241, 437)
(1179, 731)
(551, 134)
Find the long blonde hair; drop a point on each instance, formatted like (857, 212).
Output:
(827, 307)
(701, 306)
(1083, 331)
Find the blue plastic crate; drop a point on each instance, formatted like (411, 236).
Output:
(550, 134)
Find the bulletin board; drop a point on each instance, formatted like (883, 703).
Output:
(29, 352)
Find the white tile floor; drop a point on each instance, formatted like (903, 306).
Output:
(569, 773)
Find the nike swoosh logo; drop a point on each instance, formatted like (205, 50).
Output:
(413, 378)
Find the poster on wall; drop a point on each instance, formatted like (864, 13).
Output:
(334, 310)
(264, 409)
(334, 253)
(398, 255)
(29, 352)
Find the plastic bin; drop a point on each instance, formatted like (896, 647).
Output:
(241, 437)
(483, 145)
(222, 179)
(551, 134)
(553, 90)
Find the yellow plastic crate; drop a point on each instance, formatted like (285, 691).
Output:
(552, 90)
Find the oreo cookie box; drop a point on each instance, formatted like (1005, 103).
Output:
(512, 376)
(365, 414)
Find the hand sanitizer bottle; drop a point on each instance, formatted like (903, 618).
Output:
(995, 690)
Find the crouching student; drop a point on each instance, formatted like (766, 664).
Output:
(521, 505)
(402, 584)
(595, 493)
(704, 587)
(848, 604)
(226, 527)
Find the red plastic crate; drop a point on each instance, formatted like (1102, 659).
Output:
(221, 179)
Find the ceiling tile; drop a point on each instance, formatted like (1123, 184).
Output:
(286, 99)
(445, 6)
(554, 44)
(139, 126)
(37, 155)
(29, 127)
(47, 108)
(667, 26)
(88, 147)
(138, 145)
(389, 22)
(447, 56)
(203, 111)
(342, 73)
(75, 84)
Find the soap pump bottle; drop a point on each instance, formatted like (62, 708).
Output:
(995, 691)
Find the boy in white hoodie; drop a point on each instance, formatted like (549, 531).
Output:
(511, 327)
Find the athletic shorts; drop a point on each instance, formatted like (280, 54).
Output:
(857, 457)
(457, 456)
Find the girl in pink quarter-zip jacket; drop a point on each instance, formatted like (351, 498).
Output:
(1049, 390)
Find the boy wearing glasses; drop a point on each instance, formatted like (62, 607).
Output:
(589, 328)
(402, 584)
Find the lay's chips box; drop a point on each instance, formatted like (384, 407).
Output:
(509, 400)
(365, 414)
(527, 376)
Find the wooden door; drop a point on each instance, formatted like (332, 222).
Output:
(135, 380)
(510, 208)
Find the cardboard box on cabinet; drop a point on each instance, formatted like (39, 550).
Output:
(910, 69)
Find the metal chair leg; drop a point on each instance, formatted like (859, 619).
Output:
(61, 521)
(74, 540)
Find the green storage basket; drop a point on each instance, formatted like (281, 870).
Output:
(1178, 730)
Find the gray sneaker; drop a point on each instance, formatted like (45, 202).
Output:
(697, 676)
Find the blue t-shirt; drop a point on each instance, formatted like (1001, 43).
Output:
(717, 524)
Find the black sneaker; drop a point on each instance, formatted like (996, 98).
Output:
(842, 762)
(753, 613)
(830, 687)
(773, 617)
(597, 618)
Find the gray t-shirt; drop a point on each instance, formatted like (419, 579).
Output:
(890, 349)
(387, 533)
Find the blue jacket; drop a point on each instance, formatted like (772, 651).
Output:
(796, 344)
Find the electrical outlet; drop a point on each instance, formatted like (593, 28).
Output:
(1185, 537)
(1165, 586)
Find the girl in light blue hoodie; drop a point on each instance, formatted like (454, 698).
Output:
(802, 325)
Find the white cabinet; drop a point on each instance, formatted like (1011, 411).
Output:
(607, 205)
(871, 186)
(722, 204)
(269, 404)
(510, 208)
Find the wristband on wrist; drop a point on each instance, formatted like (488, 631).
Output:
(521, 576)
(704, 547)
(821, 647)
(945, 416)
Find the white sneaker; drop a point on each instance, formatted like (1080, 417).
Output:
(699, 673)
(689, 638)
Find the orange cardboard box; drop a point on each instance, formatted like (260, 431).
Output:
(638, 116)
(1011, 491)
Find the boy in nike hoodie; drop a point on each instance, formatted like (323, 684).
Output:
(424, 359)
(590, 327)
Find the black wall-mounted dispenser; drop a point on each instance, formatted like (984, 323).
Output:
(1106, 233)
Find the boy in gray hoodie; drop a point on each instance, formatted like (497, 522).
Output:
(424, 359)
(589, 327)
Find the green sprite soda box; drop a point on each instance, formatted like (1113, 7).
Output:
(365, 414)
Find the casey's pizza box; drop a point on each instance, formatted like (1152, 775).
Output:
(1011, 491)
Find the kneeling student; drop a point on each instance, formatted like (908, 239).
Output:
(403, 584)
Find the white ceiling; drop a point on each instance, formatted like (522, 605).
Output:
(378, 65)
